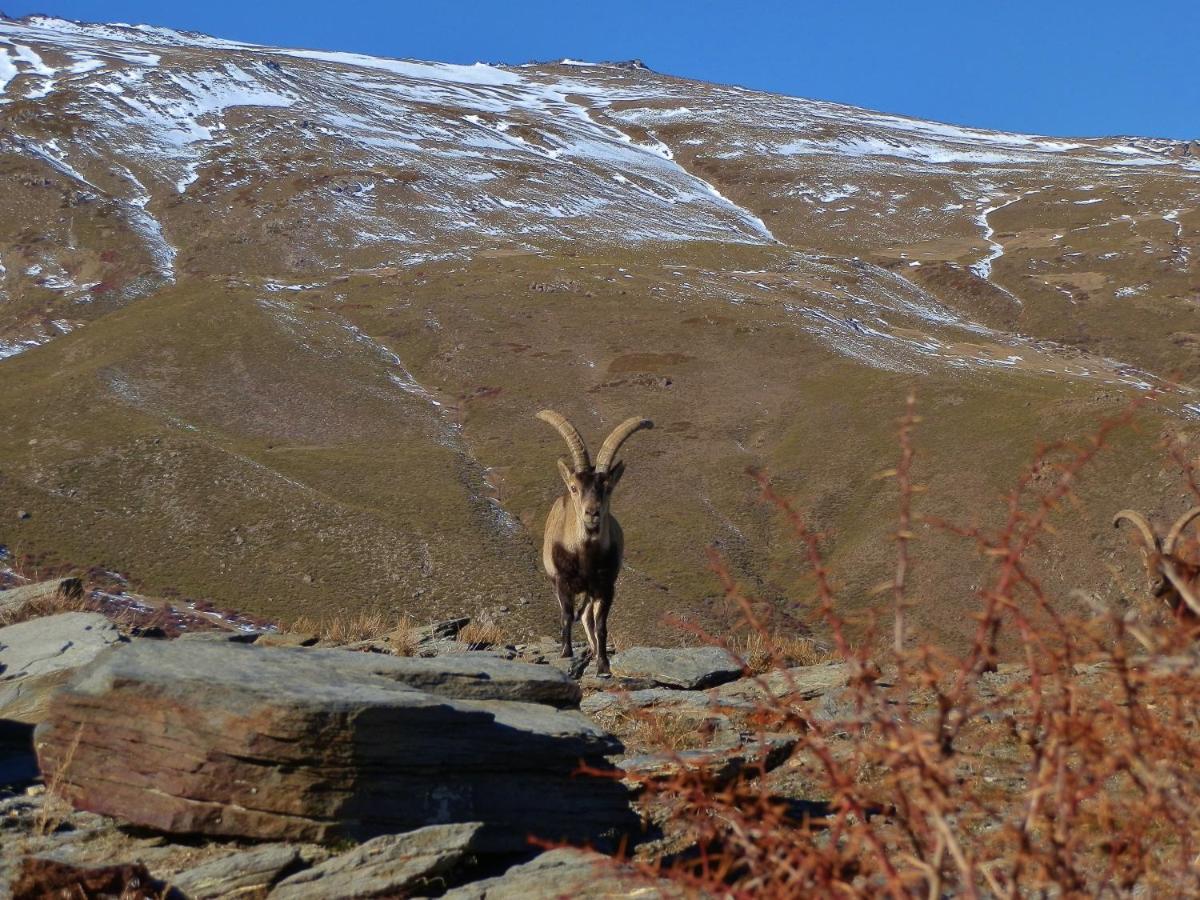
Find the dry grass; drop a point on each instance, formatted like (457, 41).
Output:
(1072, 774)
(55, 807)
(402, 634)
(72, 599)
(651, 730)
(405, 638)
(347, 629)
(481, 635)
(763, 652)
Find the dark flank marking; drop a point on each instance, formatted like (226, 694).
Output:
(592, 570)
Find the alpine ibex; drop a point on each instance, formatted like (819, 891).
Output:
(584, 544)
(1172, 578)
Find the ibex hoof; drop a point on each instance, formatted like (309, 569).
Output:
(567, 653)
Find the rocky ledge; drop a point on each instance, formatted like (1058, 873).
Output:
(235, 740)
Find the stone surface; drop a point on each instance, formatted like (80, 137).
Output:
(247, 874)
(689, 668)
(296, 744)
(469, 676)
(39, 656)
(447, 630)
(801, 682)
(659, 698)
(13, 599)
(566, 872)
(392, 865)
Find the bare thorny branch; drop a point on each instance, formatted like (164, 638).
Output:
(1071, 775)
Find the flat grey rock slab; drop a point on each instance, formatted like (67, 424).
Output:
(39, 656)
(660, 698)
(293, 744)
(392, 865)
(688, 668)
(800, 682)
(247, 874)
(567, 872)
(463, 676)
(14, 599)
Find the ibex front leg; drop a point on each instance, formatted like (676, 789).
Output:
(566, 604)
(600, 607)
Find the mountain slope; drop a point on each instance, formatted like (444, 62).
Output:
(279, 319)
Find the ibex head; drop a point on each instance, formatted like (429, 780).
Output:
(590, 487)
(1172, 578)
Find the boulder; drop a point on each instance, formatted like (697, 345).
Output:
(317, 745)
(800, 683)
(567, 872)
(689, 668)
(39, 656)
(392, 865)
(250, 873)
(15, 599)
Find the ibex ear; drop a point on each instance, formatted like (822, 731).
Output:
(615, 473)
(564, 470)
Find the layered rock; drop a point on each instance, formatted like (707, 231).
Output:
(292, 744)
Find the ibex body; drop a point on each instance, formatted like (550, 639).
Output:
(584, 545)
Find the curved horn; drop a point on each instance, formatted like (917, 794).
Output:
(1139, 522)
(620, 434)
(579, 454)
(1177, 529)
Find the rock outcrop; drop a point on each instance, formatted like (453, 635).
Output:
(688, 668)
(39, 656)
(294, 744)
(392, 865)
(250, 873)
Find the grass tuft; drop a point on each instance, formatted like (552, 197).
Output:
(481, 635)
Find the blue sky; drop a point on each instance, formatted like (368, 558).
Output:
(1062, 67)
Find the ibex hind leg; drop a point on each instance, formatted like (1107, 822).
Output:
(587, 616)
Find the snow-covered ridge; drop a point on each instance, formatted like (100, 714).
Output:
(164, 95)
